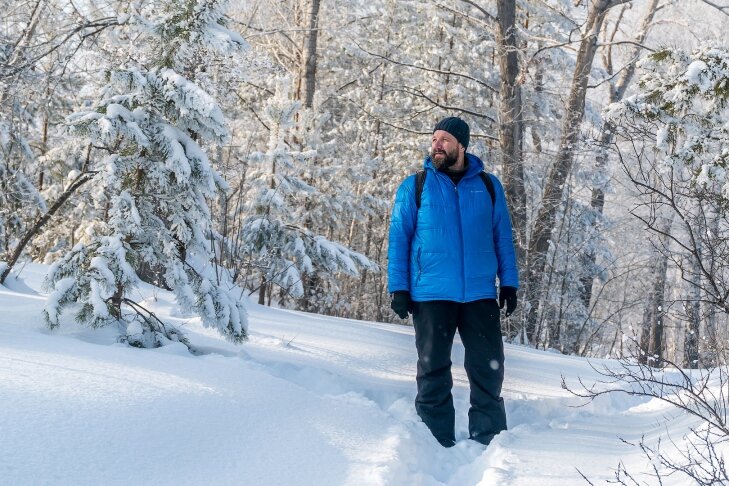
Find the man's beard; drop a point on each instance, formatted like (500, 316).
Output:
(446, 160)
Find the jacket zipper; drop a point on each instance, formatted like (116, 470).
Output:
(420, 267)
(460, 237)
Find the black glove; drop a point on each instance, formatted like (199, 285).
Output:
(401, 303)
(507, 295)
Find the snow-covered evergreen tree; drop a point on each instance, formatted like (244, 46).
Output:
(274, 238)
(151, 120)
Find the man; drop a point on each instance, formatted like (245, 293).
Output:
(444, 257)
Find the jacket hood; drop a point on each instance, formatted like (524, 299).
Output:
(475, 165)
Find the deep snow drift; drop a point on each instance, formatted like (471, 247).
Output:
(310, 400)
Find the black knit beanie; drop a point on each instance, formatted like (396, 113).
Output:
(456, 127)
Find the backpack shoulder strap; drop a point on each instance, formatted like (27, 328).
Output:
(486, 178)
(419, 184)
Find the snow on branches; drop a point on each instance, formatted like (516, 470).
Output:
(151, 119)
(675, 149)
(275, 238)
(682, 101)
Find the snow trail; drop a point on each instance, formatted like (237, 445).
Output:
(310, 400)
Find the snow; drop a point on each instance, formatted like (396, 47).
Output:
(177, 160)
(223, 36)
(53, 301)
(310, 400)
(662, 139)
(695, 74)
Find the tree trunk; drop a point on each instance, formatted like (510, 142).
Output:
(359, 307)
(511, 127)
(653, 326)
(552, 196)
(535, 108)
(262, 291)
(710, 348)
(693, 307)
(309, 60)
(617, 92)
(311, 283)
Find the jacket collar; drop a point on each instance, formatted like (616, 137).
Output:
(475, 165)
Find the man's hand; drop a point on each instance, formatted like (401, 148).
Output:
(507, 295)
(401, 303)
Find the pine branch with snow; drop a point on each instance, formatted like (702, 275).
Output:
(274, 238)
(157, 180)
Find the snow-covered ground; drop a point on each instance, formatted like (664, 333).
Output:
(310, 400)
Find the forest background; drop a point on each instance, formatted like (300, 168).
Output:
(293, 123)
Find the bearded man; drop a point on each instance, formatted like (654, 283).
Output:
(450, 238)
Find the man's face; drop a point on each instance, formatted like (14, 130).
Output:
(444, 149)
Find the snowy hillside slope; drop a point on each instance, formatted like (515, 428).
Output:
(310, 400)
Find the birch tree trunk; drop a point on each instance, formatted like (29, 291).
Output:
(552, 195)
(597, 202)
(307, 82)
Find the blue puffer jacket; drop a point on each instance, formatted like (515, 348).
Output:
(456, 244)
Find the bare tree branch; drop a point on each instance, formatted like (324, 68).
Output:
(430, 70)
(413, 131)
(724, 10)
(483, 11)
(420, 94)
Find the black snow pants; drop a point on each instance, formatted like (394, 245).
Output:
(479, 327)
